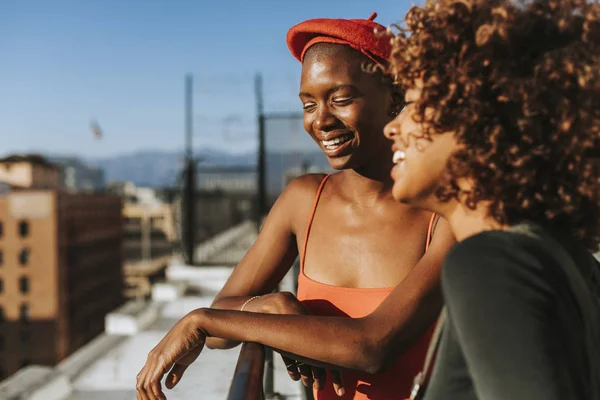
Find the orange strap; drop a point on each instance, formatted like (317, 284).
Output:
(312, 217)
(430, 231)
(310, 220)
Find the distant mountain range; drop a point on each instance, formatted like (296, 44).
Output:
(162, 168)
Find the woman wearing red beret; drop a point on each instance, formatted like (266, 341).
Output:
(368, 291)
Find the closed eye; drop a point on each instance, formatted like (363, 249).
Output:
(342, 100)
(308, 106)
(406, 104)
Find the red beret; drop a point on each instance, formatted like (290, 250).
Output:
(356, 33)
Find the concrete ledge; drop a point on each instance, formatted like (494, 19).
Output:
(131, 318)
(168, 291)
(36, 383)
(218, 242)
(209, 280)
(85, 356)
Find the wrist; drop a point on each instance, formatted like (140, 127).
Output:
(199, 319)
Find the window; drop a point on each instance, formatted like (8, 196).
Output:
(1, 257)
(23, 229)
(24, 256)
(24, 284)
(1, 285)
(25, 315)
(1, 230)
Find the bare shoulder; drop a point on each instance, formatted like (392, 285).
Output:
(302, 188)
(297, 199)
(305, 183)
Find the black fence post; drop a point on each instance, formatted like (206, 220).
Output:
(189, 195)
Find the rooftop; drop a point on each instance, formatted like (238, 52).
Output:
(106, 368)
(31, 158)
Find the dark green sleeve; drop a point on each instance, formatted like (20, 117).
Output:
(503, 304)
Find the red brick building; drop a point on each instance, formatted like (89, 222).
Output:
(60, 273)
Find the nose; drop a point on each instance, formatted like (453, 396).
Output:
(324, 120)
(392, 129)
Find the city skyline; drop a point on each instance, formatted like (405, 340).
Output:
(68, 64)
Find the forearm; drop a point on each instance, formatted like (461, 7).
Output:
(228, 303)
(367, 344)
(332, 341)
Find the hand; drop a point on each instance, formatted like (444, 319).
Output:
(175, 352)
(287, 303)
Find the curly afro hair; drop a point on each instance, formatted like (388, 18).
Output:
(519, 84)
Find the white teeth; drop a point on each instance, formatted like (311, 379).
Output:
(398, 156)
(331, 144)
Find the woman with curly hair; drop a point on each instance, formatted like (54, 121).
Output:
(499, 135)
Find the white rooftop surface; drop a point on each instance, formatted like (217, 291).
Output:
(112, 376)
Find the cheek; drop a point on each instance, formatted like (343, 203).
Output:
(307, 122)
(423, 160)
(363, 116)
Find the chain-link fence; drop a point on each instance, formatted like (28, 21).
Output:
(290, 152)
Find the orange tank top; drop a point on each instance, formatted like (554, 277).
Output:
(322, 299)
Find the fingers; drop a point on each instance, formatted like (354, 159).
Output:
(291, 367)
(305, 374)
(155, 377)
(148, 385)
(175, 375)
(338, 383)
(319, 375)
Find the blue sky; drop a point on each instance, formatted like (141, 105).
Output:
(122, 62)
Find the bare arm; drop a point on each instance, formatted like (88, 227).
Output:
(271, 256)
(368, 344)
(365, 344)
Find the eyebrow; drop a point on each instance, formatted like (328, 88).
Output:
(331, 90)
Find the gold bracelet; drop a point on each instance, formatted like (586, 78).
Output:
(248, 301)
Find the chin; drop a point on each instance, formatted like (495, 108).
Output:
(401, 194)
(341, 163)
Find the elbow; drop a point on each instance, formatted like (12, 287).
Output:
(376, 355)
(374, 359)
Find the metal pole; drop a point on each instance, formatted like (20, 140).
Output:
(269, 387)
(190, 181)
(260, 162)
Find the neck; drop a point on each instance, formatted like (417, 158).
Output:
(465, 222)
(372, 183)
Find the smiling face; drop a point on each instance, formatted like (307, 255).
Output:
(345, 108)
(419, 161)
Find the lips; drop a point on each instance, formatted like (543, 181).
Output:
(339, 145)
(333, 144)
(398, 156)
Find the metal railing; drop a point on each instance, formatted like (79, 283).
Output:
(254, 374)
(247, 382)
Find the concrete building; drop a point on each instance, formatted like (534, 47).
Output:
(29, 171)
(60, 272)
(106, 367)
(149, 242)
(149, 237)
(76, 176)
